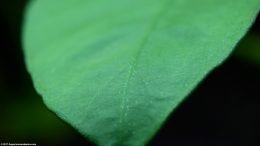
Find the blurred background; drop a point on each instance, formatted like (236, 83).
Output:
(223, 110)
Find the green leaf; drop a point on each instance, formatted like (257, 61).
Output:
(116, 69)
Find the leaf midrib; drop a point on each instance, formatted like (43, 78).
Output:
(155, 22)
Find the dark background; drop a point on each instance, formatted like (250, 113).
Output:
(224, 110)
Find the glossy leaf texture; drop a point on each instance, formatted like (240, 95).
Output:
(116, 69)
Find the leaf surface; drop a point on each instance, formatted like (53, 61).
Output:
(115, 69)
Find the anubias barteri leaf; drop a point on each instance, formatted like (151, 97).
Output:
(115, 69)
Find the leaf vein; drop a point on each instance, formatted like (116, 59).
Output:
(125, 99)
